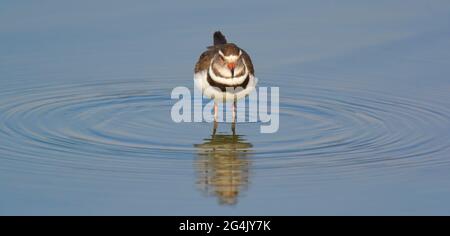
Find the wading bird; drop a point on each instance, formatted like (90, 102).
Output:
(224, 72)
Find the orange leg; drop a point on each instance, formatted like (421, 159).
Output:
(216, 112)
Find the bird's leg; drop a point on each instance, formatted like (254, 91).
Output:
(216, 111)
(233, 128)
(214, 128)
(234, 111)
(233, 125)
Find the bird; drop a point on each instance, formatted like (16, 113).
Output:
(224, 72)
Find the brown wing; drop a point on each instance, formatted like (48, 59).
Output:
(204, 60)
(248, 62)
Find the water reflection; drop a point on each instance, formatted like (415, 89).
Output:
(223, 164)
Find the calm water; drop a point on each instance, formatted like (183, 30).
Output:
(85, 123)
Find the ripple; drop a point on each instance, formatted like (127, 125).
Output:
(123, 129)
(341, 129)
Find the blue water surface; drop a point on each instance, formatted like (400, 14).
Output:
(85, 126)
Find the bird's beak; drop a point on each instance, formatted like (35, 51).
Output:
(231, 66)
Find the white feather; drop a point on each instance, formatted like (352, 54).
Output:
(230, 58)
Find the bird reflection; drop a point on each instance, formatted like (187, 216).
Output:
(223, 166)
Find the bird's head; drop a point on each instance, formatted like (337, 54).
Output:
(228, 63)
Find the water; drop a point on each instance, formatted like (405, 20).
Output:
(85, 105)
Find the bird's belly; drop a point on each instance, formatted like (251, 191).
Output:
(220, 92)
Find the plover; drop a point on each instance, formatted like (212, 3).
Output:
(224, 72)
